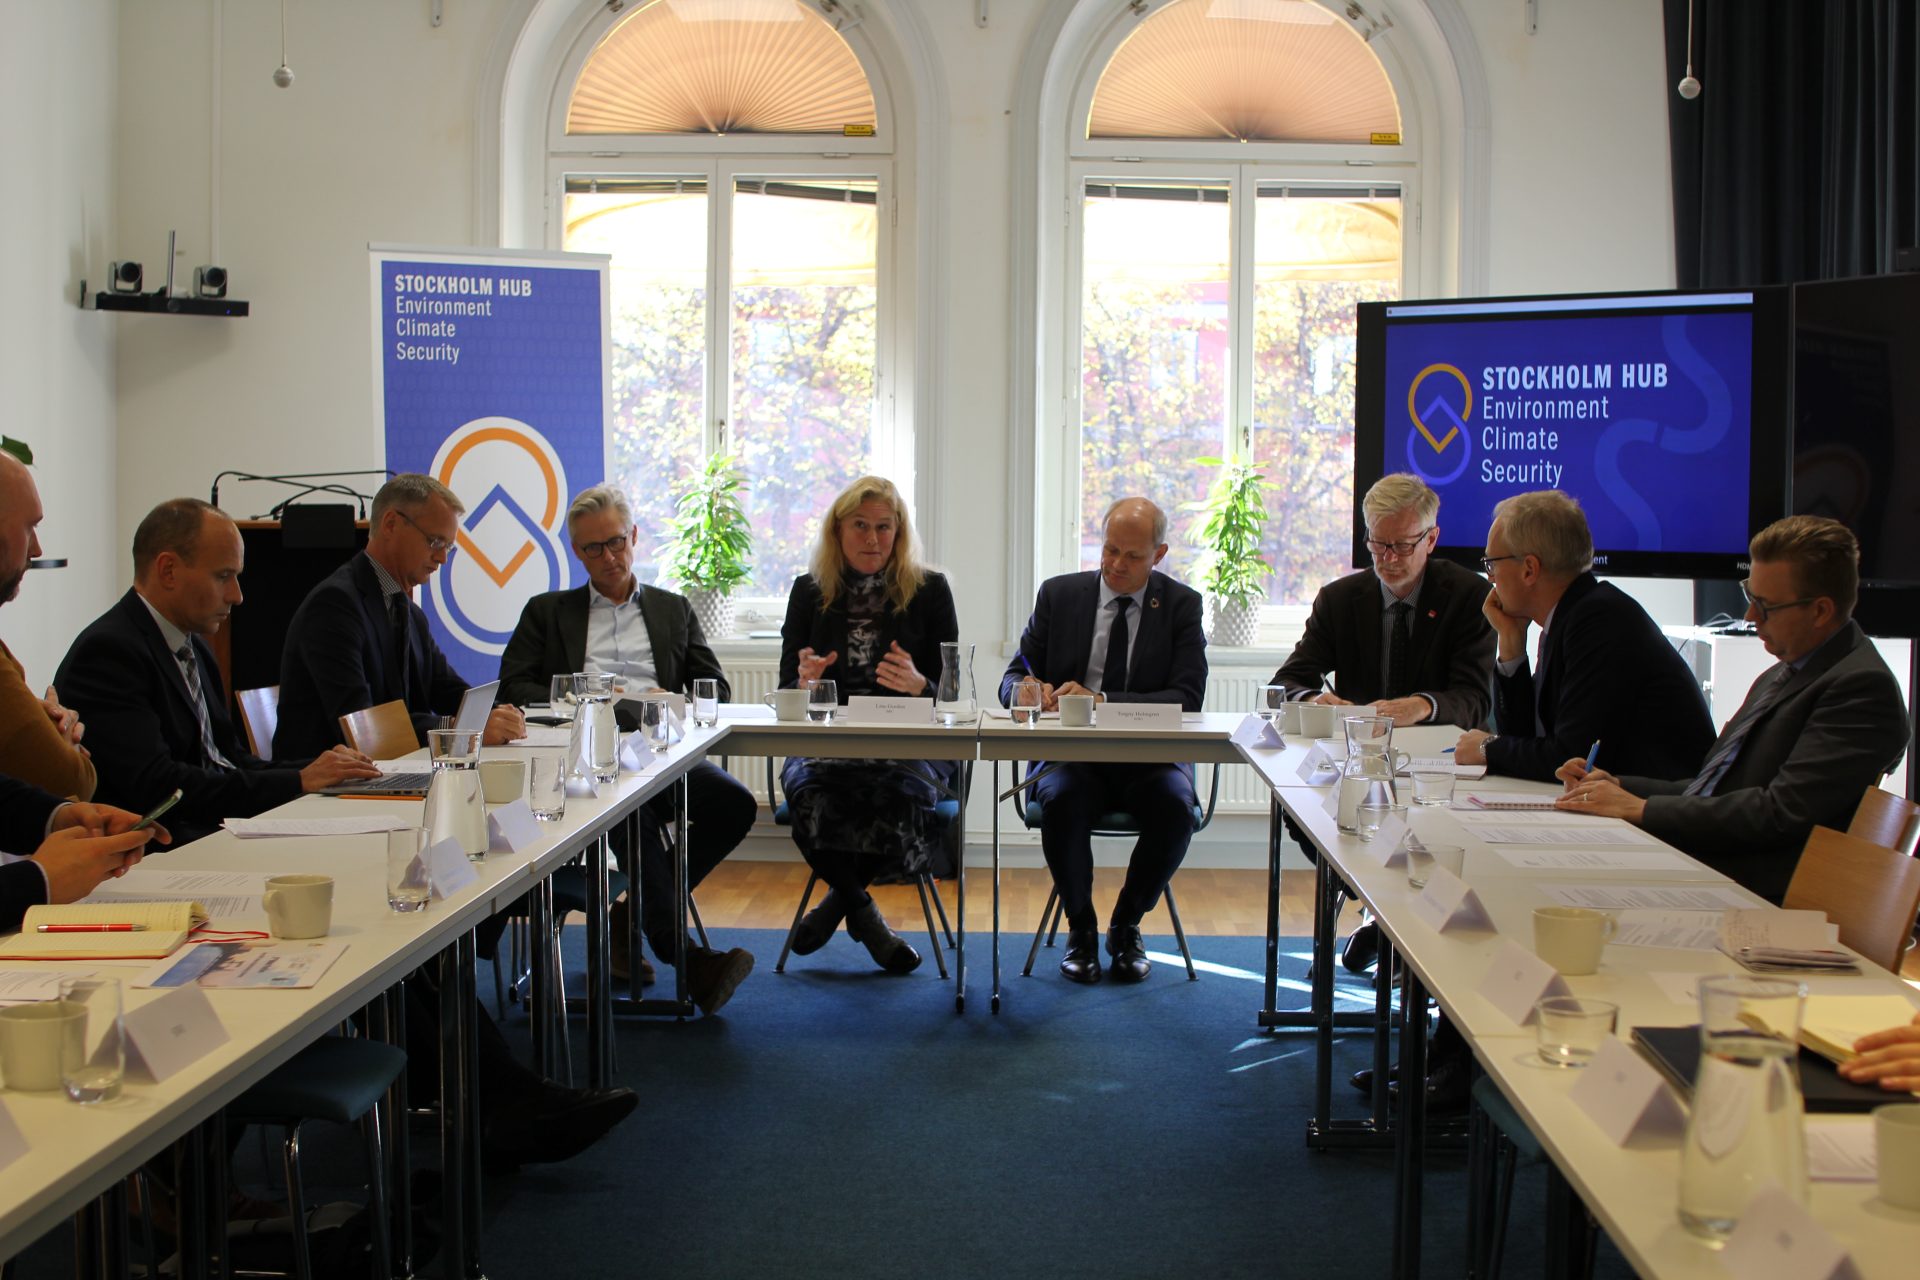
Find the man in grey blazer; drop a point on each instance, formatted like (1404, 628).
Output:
(1817, 729)
(651, 639)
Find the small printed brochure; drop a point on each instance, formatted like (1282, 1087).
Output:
(235, 966)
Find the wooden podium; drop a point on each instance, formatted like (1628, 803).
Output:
(279, 573)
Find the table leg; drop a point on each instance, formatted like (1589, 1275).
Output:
(1324, 916)
(1409, 1147)
(459, 1114)
(541, 977)
(1275, 828)
(467, 951)
(960, 915)
(390, 1025)
(599, 969)
(682, 897)
(1570, 1233)
(100, 1236)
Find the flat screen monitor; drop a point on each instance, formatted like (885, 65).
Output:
(1664, 413)
(1856, 416)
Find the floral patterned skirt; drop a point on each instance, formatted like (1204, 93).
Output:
(880, 807)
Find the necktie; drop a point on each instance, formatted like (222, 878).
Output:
(1397, 649)
(1113, 676)
(1721, 758)
(397, 614)
(190, 670)
(1540, 686)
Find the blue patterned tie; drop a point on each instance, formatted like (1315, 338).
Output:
(190, 671)
(1721, 758)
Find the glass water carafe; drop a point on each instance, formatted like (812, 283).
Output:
(1746, 1129)
(455, 807)
(1367, 775)
(594, 748)
(953, 697)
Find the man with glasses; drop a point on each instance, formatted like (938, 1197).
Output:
(359, 640)
(1408, 635)
(1603, 674)
(651, 639)
(1816, 730)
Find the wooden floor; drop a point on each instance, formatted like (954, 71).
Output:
(763, 895)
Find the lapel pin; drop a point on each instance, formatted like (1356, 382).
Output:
(1153, 603)
(1433, 613)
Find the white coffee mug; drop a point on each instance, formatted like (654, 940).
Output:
(1076, 710)
(1319, 720)
(299, 906)
(31, 1036)
(1571, 938)
(503, 781)
(1896, 1135)
(1289, 717)
(789, 704)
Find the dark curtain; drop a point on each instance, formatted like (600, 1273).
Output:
(1800, 159)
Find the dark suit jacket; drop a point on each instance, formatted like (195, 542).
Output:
(1609, 675)
(551, 640)
(1450, 656)
(24, 811)
(338, 659)
(1168, 660)
(1838, 725)
(919, 629)
(144, 736)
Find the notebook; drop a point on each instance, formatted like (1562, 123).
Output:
(167, 926)
(476, 704)
(1675, 1053)
(1829, 1025)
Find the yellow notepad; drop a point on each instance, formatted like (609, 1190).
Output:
(1829, 1025)
(167, 926)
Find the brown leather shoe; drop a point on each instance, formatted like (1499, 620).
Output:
(712, 975)
(621, 961)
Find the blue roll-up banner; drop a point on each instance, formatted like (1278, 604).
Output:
(491, 374)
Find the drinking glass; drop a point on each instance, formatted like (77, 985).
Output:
(706, 702)
(656, 725)
(1572, 1028)
(1375, 815)
(547, 786)
(1270, 702)
(1432, 786)
(560, 696)
(1028, 696)
(1421, 860)
(823, 701)
(93, 1055)
(408, 884)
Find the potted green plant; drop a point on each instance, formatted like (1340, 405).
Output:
(710, 541)
(1233, 572)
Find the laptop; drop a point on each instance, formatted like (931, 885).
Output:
(475, 706)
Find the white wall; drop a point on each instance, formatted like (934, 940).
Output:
(58, 96)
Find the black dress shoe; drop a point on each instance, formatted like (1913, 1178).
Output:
(555, 1124)
(1082, 961)
(817, 926)
(1449, 1085)
(1129, 953)
(1363, 1078)
(1362, 949)
(889, 950)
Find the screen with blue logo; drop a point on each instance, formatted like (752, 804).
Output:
(1664, 414)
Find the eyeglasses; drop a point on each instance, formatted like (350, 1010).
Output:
(1764, 609)
(1487, 562)
(1403, 549)
(434, 544)
(606, 546)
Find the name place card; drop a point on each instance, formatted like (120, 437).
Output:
(1318, 767)
(1449, 903)
(864, 709)
(171, 1032)
(448, 868)
(1517, 980)
(1393, 853)
(512, 827)
(581, 786)
(1622, 1094)
(1777, 1239)
(1137, 715)
(1255, 732)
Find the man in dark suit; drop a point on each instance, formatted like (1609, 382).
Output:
(75, 847)
(143, 675)
(1605, 673)
(1124, 634)
(1407, 635)
(358, 640)
(1816, 730)
(651, 639)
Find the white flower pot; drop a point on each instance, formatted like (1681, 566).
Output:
(1232, 624)
(715, 611)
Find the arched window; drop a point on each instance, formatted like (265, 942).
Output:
(734, 159)
(1237, 181)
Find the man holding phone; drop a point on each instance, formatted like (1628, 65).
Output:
(144, 676)
(75, 847)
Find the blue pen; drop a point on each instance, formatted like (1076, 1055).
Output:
(1593, 755)
(1024, 664)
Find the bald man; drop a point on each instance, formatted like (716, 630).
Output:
(1126, 633)
(39, 738)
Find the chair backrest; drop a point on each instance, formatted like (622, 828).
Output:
(1870, 891)
(1891, 821)
(260, 713)
(382, 732)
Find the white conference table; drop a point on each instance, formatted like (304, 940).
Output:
(1632, 1191)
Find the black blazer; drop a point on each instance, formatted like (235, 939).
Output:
(1168, 662)
(1837, 726)
(551, 640)
(24, 812)
(1450, 656)
(928, 621)
(337, 659)
(1610, 675)
(145, 739)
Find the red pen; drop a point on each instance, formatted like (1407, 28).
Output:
(89, 928)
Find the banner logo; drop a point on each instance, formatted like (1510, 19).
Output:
(508, 547)
(1440, 433)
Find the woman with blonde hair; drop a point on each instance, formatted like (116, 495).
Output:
(871, 618)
